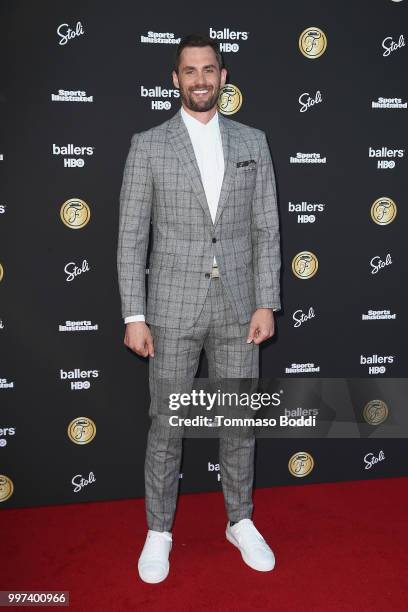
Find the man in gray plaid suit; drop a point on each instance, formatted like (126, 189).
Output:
(206, 185)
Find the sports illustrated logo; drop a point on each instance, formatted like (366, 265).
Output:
(66, 95)
(305, 208)
(164, 38)
(388, 103)
(79, 482)
(375, 412)
(378, 264)
(227, 34)
(72, 270)
(307, 158)
(66, 33)
(302, 368)
(6, 487)
(6, 431)
(301, 317)
(301, 464)
(306, 101)
(312, 42)
(384, 156)
(69, 151)
(159, 92)
(383, 211)
(370, 459)
(229, 99)
(305, 265)
(75, 213)
(71, 326)
(390, 45)
(81, 430)
(376, 363)
(378, 315)
(4, 384)
(79, 379)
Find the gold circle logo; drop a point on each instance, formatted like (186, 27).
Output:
(305, 264)
(1, 272)
(301, 464)
(312, 42)
(375, 412)
(6, 487)
(81, 430)
(229, 100)
(75, 213)
(383, 211)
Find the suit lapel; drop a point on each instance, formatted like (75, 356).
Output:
(181, 143)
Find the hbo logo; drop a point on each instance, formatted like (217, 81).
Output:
(80, 384)
(386, 163)
(229, 47)
(70, 162)
(306, 218)
(161, 105)
(376, 369)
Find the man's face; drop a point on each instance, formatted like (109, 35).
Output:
(199, 78)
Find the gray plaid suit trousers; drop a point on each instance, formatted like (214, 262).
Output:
(177, 353)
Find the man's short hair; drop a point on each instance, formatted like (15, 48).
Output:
(197, 40)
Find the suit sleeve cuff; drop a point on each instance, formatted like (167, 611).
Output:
(134, 318)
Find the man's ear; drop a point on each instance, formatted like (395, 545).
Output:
(223, 76)
(175, 79)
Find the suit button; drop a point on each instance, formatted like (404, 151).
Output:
(214, 240)
(207, 275)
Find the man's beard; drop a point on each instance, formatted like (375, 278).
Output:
(204, 105)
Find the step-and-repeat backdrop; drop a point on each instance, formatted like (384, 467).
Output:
(327, 83)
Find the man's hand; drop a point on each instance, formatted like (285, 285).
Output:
(261, 326)
(139, 338)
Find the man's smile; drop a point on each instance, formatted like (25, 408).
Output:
(200, 92)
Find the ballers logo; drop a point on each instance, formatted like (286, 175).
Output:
(305, 264)
(312, 42)
(75, 213)
(229, 100)
(375, 412)
(6, 487)
(383, 211)
(81, 430)
(301, 464)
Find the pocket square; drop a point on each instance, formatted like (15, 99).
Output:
(248, 164)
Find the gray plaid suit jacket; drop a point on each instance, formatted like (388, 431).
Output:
(162, 187)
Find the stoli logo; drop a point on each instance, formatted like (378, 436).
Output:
(66, 33)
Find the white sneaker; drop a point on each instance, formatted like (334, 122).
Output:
(254, 550)
(153, 562)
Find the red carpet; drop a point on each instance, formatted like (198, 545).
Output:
(339, 546)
